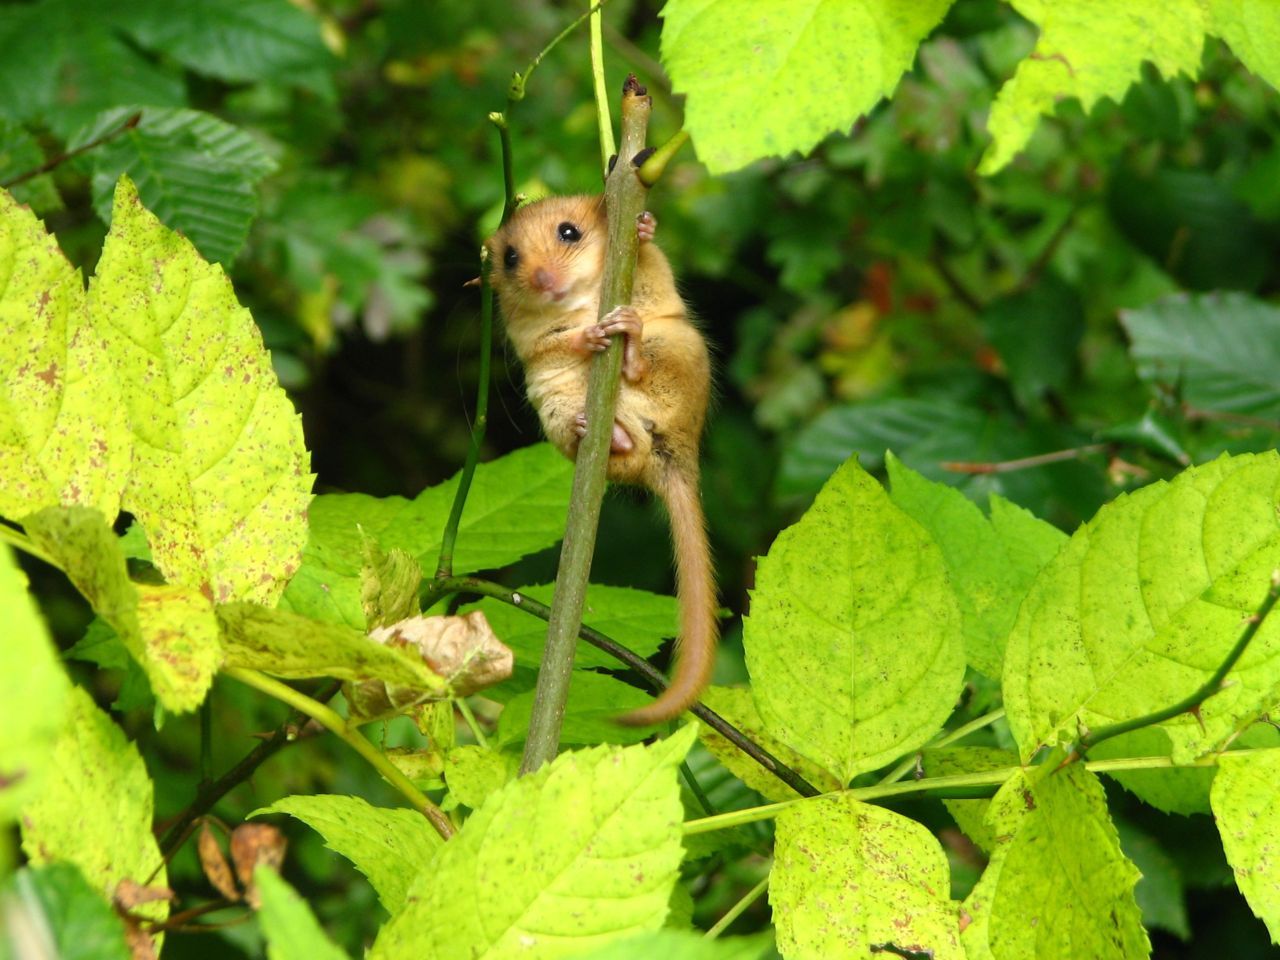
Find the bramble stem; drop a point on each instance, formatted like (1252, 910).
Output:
(209, 794)
(1190, 703)
(624, 202)
(960, 786)
(943, 740)
(336, 723)
(439, 588)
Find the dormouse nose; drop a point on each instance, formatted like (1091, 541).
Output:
(543, 279)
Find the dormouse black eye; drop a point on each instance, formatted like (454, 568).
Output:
(511, 258)
(568, 233)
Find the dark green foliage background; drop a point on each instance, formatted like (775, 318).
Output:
(875, 294)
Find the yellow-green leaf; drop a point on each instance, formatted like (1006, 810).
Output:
(33, 689)
(96, 807)
(853, 610)
(768, 77)
(1057, 875)
(1244, 804)
(221, 477)
(584, 851)
(1090, 49)
(62, 431)
(169, 630)
(1143, 603)
(287, 645)
(389, 846)
(736, 705)
(853, 880)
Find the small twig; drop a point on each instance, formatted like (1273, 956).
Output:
(334, 722)
(62, 158)
(516, 90)
(944, 739)
(1192, 703)
(1226, 416)
(207, 795)
(1024, 463)
(739, 908)
(436, 589)
(696, 789)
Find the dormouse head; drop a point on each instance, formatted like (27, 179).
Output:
(550, 254)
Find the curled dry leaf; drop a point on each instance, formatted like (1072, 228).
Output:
(214, 863)
(463, 650)
(127, 895)
(254, 844)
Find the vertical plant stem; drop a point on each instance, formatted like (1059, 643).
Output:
(206, 740)
(624, 200)
(444, 566)
(738, 909)
(334, 722)
(604, 122)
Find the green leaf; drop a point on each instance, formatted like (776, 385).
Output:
(850, 879)
(33, 689)
(1089, 50)
(1249, 28)
(1181, 790)
(591, 715)
(969, 815)
(990, 580)
(589, 851)
(169, 630)
(238, 41)
(389, 846)
(768, 77)
(1037, 333)
(62, 433)
(516, 507)
(288, 925)
(683, 945)
(287, 645)
(195, 172)
(1221, 351)
(220, 476)
(20, 155)
(101, 645)
(853, 613)
(1142, 605)
(1057, 875)
(736, 705)
(472, 773)
(1160, 893)
(1243, 799)
(96, 808)
(57, 900)
(637, 619)
(81, 66)
(1193, 224)
(389, 584)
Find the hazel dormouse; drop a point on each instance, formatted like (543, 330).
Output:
(547, 262)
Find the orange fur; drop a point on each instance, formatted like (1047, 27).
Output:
(549, 290)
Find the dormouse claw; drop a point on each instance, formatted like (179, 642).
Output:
(646, 226)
